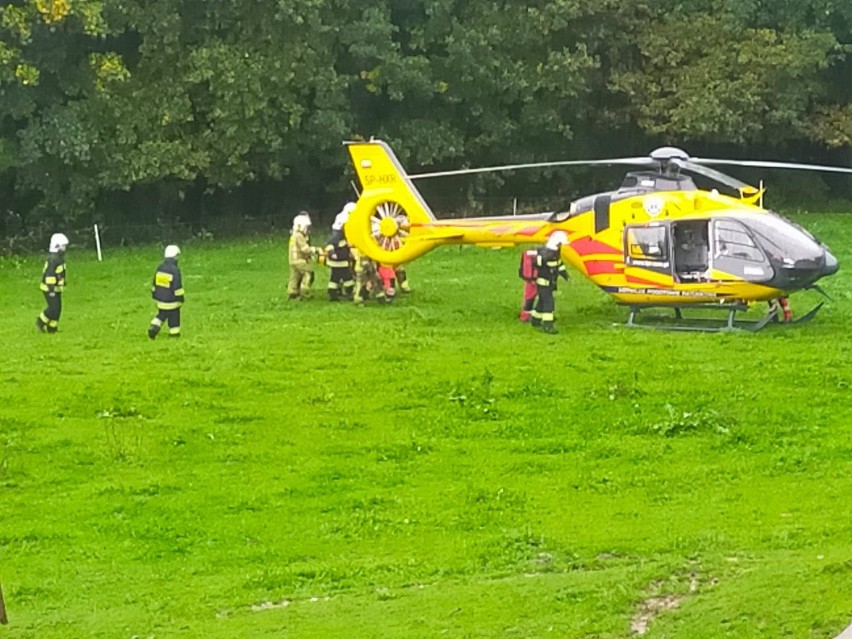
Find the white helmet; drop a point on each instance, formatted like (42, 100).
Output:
(302, 222)
(58, 242)
(343, 217)
(556, 239)
(172, 251)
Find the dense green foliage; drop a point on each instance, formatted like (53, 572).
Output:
(115, 109)
(431, 467)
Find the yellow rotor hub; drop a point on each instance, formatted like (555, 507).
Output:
(388, 227)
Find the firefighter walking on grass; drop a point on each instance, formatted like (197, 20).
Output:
(52, 284)
(168, 292)
(549, 267)
(338, 256)
(300, 256)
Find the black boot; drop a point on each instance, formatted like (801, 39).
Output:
(535, 322)
(152, 331)
(548, 327)
(41, 326)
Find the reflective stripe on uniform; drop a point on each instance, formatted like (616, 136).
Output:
(547, 317)
(168, 306)
(156, 322)
(50, 280)
(337, 263)
(541, 281)
(174, 331)
(180, 291)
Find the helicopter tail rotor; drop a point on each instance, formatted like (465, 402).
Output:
(387, 223)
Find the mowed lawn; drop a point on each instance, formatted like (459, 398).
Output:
(430, 468)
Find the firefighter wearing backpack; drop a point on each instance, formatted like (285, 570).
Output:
(549, 267)
(168, 292)
(338, 256)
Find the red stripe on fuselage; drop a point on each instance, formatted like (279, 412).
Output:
(600, 267)
(588, 246)
(638, 280)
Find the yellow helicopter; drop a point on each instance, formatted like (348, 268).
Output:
(655, 241)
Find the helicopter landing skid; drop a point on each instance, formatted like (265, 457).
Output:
(708, 325)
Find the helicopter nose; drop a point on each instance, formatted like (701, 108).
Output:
(831, 264)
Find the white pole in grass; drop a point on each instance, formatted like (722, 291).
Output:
(98, 244)
(760, 202)
(3, 618)
(514, 206)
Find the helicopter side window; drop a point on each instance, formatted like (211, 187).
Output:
(732, 240)
(647, 243)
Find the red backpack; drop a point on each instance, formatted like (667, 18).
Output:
(527, 270)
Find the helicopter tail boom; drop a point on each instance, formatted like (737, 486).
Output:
(393, 224)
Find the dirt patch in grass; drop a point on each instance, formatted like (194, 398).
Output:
(652, 607)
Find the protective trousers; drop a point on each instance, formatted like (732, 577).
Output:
(340, 283)
(402, 279)
(48, 319)
(171, 317)
(301, 278)
(542, 315)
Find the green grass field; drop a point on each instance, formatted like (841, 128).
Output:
(431, 468)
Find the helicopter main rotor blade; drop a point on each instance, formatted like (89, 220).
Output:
(638, 161)
(713, 174)
(774, 165)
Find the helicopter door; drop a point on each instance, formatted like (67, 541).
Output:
(691, 250)
(647, 248)
(736, 255)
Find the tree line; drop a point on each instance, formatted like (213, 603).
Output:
(130, 111)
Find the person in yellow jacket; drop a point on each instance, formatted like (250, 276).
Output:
(301, 256)
(367, 279)
(52, 284)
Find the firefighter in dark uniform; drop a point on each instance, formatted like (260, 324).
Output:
(168, 292)
(338, 256)
(52, 284)
(549, 267)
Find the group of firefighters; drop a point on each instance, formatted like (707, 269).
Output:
(356, 277)
(166, 289)
(353, 276)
